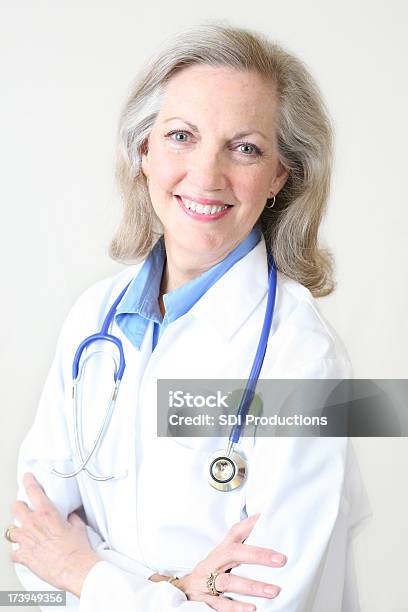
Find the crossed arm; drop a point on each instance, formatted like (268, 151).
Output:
(59, 552)
(296, 485)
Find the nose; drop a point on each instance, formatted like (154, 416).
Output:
(207, 171)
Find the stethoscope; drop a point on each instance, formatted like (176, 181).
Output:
(227, 469)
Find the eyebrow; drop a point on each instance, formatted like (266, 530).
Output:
(238, 135)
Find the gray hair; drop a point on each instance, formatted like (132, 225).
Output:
(304, 136)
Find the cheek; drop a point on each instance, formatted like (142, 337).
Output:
(251, 188)
(166, 170)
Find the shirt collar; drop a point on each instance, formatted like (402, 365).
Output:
(179, 301)
(142, 295)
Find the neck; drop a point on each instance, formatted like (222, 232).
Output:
(180, 268)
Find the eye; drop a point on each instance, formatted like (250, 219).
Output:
(179, 135)
(249, 149)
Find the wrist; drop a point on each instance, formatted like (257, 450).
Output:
(182, 583)
(74, 576)
(158, 578)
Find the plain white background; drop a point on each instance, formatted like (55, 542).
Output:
(65, 71)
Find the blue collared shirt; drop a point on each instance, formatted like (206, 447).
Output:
(140, 304)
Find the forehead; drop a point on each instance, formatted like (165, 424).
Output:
(222, 95)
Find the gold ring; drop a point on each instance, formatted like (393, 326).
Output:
(6, 533)
(211, 584)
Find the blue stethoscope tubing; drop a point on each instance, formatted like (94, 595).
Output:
(227, 469)
(76, 376)
(249, 392)
(104, 335)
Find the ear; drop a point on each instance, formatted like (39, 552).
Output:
(280, 179)
(144, 151)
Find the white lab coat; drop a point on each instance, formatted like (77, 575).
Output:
(164, 517)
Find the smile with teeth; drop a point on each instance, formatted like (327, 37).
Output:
(202, 209)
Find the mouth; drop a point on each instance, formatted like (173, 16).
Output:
(203, 208)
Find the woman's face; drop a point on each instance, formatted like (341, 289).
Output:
(213, 145)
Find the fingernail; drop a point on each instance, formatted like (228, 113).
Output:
(272, 590)
(278, 558)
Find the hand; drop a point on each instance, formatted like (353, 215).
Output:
(58, 551)
(231, 553)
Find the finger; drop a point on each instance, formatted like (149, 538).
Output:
(21, 536)
(20, 511)
(244, 553)
(20, 555)
(9, 533)
(16, 556)
(35, 492)
(240, 531)
(235, 584)
(227, 567)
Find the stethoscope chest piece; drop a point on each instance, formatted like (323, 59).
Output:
(227, 471)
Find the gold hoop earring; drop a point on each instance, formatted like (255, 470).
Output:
(273, 202)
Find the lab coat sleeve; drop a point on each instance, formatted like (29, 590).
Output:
(298, 486)
(108, 588)
(47, 443)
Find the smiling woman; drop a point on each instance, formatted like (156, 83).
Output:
(224, 167)
(207, 184)
(262, 108)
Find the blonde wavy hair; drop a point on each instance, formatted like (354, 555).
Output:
(304, 137)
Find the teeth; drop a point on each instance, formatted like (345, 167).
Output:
(201, 208)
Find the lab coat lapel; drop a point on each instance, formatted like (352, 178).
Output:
(229, 302)
(224, 308)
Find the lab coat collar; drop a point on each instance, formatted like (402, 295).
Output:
(230, 301)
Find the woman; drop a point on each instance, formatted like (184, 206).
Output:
(225, 153)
